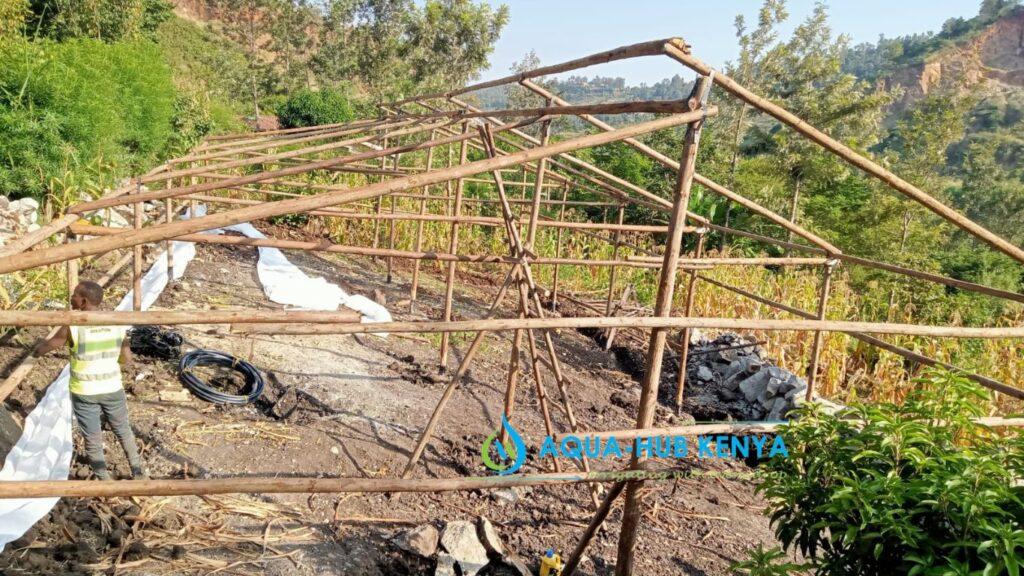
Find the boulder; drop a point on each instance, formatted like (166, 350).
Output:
(754, 386)
(445, 565)
(421, 540)
(774, 384)
(461, 542)
(489, 537)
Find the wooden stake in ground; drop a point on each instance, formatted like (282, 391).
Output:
(823, 292)
(684, 336)
(631, 513)
(453, 247)
(419, 230)
(137, 257)
(558, 248)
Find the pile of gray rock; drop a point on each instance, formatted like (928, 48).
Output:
(734, 373)
(17, 217)
(461, 548)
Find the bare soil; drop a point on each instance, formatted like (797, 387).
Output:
(357, 407)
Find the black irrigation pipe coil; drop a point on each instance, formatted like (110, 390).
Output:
(253, 379)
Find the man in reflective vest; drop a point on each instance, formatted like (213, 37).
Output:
(97, 353)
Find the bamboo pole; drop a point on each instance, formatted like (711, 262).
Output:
(631, 513)
(684, 335)
(604, 108)
(378, 202)
(823, 293)
(453, 247)
(676, 50)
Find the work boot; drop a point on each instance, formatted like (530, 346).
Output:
(99, 470)
(139, 472)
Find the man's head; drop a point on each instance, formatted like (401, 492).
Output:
(87, 296)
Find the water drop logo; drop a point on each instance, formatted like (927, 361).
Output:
(512, 454)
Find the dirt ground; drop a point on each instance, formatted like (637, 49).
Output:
(359, 405)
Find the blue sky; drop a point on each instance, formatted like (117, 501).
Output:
(561, 30)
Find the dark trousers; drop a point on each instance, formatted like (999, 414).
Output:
(114, 407)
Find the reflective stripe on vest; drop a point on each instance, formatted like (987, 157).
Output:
(95, 353)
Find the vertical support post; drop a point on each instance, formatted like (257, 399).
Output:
(72, 269)
(419, 231)
(819, 336)
(631, 513)
(453, 247)
(512, 381)
(392, 226)
(168, 218)
(378, 206)
(684, 336)
(558, 248)
(609, 336)
(137, 255)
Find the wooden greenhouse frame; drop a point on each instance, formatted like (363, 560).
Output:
(226, 171)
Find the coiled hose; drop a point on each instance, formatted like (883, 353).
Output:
(253, 379)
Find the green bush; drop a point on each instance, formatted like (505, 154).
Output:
(79, 103)
(917, 488)
(314, 107)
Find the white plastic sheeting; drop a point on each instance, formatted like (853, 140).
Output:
(284, 283)
(45, 449)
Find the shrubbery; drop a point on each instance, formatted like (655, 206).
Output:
(72, 104)
(916, 488)
(314, 107)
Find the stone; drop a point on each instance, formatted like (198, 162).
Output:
(774, 384)
(753, 386)
(489, 537)
(505, 496)
(460, 540)
(727, 394)
(704, 374)
(445, 565)
(421, 540)
(779, 408)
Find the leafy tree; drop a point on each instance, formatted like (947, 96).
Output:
(248, 22)
(805, 75)
(292, 41)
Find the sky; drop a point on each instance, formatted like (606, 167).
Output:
(560, 30)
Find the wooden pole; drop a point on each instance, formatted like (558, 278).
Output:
(558, 249)
(72, 271)
(650, 152)
(631, 513)
(137, 257)
(676, 50)
(453, 247)
(823, 293)
(453, 384)
(392, 228)
(168, 218)
(621, 53)
(418, 246)
(615, 256)
(684, 336)
(573, 561)
(286, 485)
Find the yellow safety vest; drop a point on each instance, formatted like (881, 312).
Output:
(95, 354)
